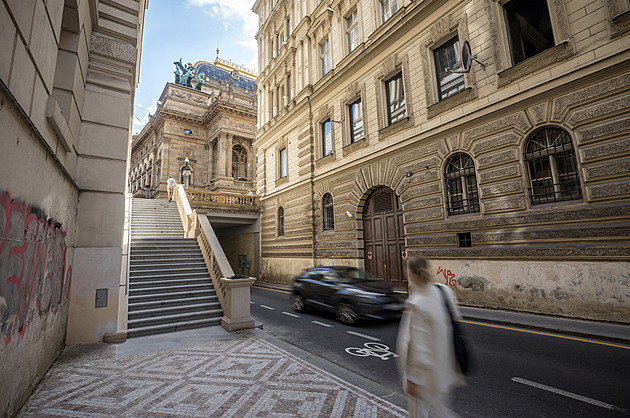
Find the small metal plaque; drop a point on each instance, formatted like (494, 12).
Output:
(101, 298)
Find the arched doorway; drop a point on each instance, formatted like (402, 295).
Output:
(384, 237)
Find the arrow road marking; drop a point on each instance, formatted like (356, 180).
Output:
(364, 336)
(290, 314)
(322, 324)
(567, 394)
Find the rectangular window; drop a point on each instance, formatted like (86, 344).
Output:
(278, 100)
(283, 162)
(464, 239)
(288, 87)
(388, 8)
(356, 121)
(395, 96)
(324, 57)
(326, 138)
(447, 57)
(352, 30)
(529, 28)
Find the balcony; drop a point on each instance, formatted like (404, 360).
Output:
(222, 201)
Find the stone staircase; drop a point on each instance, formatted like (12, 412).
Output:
(169, 285)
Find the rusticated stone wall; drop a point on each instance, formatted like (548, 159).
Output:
(566, 258)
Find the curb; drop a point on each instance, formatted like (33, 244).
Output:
(554, 330)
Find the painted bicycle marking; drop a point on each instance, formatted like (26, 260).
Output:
(372, 349)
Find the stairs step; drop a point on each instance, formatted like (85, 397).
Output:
(148, 269)
(172, 303)
(167, 310)
(177, 317)
(167, 289)
(155, 297)
(172, 327)
(168, 282)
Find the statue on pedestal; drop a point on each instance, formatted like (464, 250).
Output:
(183, 74)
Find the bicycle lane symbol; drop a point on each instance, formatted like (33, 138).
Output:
(372, 349)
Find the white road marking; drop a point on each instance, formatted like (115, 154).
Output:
(251, 301)
(364, 336)
(290, 314)
(268, 307)
(567, 394)
(322, 324)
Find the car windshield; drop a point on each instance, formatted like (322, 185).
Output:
(353, 275)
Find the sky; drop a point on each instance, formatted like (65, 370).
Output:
(191, 30)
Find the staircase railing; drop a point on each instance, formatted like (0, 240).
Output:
(206, 198)
(232, 291)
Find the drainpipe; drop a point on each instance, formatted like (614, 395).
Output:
(312, 178)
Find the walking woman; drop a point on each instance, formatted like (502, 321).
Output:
(425, 344)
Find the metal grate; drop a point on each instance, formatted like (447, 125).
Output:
(461, 185)
(382, 202)
(281, 222)
(552, 167)
(328, 212)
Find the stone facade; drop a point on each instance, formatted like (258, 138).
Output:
(68, 71)
(213, 128)
(512, 177)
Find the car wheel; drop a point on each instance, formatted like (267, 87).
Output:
(346, 314)
(297, 303)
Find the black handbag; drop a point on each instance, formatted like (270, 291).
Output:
(462, 352)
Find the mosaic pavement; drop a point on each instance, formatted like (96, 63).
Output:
(241, 377)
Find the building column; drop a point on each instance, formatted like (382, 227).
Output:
(210, 162)
(230, 146)
(221, 158)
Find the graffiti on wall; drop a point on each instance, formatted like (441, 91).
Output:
(449, 276)
(35, 275)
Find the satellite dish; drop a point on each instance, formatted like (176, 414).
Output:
(467, 58)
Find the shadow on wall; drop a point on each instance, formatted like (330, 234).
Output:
(34, 273)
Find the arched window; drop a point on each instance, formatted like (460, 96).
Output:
(461, 185)
(281, 221)
(327, 212)
(552, 168)
(239, 162)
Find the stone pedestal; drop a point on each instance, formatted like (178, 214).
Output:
(236, 314)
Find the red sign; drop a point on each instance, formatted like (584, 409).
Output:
(404, 255)
(369, 255)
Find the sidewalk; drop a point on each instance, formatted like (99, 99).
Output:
(197, 373)
(566, 326)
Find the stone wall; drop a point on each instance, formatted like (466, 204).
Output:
(67, 79)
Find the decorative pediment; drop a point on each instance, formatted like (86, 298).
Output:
(389, 64)
(321, 25)
(441, 29)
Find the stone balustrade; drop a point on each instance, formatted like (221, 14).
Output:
(208, 199)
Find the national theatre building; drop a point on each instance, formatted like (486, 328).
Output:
(201, 133)
(490, 136)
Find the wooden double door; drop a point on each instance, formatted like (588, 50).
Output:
(384, 237)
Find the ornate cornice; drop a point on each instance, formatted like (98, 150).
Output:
(114, 49)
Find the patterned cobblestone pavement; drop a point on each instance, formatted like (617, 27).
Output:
(243, 376)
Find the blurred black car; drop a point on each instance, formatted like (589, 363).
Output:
(350, 292)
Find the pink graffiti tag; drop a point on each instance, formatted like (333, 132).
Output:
(449, 276)
(35, 280)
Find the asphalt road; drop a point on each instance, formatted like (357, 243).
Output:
(519, 373)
